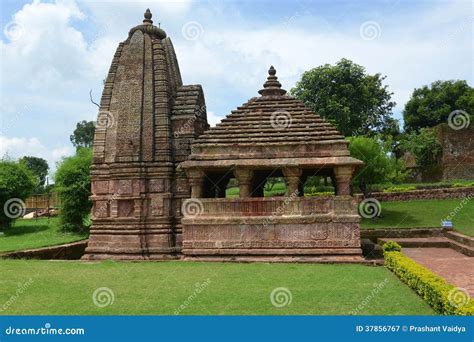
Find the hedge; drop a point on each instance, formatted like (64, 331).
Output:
(441, 296)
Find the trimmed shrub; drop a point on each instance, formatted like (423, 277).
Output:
(391, 246)
(440, 295)
(73, 185)
(16, 183)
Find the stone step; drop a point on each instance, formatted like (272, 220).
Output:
(418, 242)
(461, 238)
(427, 242)
(461, 248)
(392, 233)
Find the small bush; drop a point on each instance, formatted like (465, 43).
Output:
(431, 287)
(391, 246)
(73, 185)
(16, 183)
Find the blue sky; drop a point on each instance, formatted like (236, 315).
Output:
(53, 52)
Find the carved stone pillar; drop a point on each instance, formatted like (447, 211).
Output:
(343, 175)
(292, 176)
(244, 177)
(196, 178)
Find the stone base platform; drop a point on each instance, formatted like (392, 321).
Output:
(131, 257)
(328, 259)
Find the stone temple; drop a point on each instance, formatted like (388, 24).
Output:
(160, 175)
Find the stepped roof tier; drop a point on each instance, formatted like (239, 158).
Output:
(272, 130)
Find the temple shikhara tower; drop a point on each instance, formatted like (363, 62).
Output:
(146, 123)
(159, 174)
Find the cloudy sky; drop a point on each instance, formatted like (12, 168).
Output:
(54, 52)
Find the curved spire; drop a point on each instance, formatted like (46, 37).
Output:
(272, 86)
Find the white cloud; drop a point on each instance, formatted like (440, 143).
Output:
(66, 49)
(18, 147)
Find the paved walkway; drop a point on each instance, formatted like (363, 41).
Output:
(453, 266)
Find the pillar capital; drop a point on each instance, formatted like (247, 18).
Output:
(243, 175)
(194, 173)
(292, 172)
(343, 171)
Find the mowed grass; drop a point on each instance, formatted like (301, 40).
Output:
(26, 234)
(139, 288)
(424, 213)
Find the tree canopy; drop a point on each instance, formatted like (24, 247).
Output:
(16, 183)
(355, 102)
(431, 105)
(73, 185)
(83, 135)
(39, 167)
(379, 166)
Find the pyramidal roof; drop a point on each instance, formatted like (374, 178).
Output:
(274, 117)
(270, 131)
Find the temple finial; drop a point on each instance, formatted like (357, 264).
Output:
(272, 86)
(147, 16)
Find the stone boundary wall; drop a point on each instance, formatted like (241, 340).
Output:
(69, 251)
(445, 193)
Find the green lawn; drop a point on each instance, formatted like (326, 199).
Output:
(424, 213)
(61, 287)
(25, 234)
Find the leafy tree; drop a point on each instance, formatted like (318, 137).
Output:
(379, 166)
(83, 135)
(430, 106)
(39, 167)
(424, 146)
(73, 185)
(16, 183)
(355, 102)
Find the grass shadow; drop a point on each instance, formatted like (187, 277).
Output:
(392, 218)
(15, 230)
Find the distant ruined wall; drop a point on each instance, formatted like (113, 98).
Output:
(457, 161)
(446, 193)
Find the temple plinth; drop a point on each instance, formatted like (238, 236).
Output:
(273, 135)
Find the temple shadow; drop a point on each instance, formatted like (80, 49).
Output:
(395, 218)
(22, 230)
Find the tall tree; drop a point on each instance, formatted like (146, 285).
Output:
(39, 167)
(83, 135)
(355, 102)
(431, 105)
